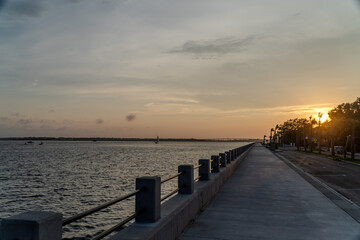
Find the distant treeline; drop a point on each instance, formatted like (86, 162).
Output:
(129, 139)
(341, 129)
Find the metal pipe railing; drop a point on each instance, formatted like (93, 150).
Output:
(171, 193)
(117, 226)
(98, 208)
(198, 166)
(197, 178)
(172, 177)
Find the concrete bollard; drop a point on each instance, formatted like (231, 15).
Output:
(232, 154)
(186, 180)
(222, 159)
(241, 150)
(204, 170)
(228, 157)
(33, 225)
(215, 165)
(149, 199)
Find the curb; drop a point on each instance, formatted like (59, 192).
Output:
(338, 199)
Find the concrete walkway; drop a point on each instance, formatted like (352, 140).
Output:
(266, 199)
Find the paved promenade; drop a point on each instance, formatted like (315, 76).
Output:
(266, 199)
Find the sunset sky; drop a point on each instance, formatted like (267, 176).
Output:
(181, 69)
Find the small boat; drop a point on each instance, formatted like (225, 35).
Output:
(41, 143)
(157, 140)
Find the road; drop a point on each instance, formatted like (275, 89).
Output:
(341, 176)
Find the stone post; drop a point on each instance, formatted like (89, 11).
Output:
(186, 180)
(204, 170)
(222, 159)
(232, 154)
(33, 225)
(228, 157)
(215, 165)
(148, 199)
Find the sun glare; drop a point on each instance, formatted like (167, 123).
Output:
(323, 118)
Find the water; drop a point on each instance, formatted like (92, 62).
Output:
(70, 177)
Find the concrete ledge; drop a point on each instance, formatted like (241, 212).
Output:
(180, 210)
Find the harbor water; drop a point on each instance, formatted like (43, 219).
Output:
(72, 176)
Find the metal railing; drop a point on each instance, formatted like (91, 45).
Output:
(98, 208)
(102, 206)
(149, 188)
(172, 177)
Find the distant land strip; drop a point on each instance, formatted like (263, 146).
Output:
(128, 139)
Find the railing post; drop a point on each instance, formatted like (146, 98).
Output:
(215, 163)
(228, 157)
(33, 225)
(222, 159)
(204, 170)
(148, 199)
(186, 180)
(232, 154)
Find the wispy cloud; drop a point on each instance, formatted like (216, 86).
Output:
(218, 46)
(194, 109)
(24, 122)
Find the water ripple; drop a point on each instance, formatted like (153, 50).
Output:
(70, 177)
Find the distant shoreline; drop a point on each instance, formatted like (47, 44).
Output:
(127, 139)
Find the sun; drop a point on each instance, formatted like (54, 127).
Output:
(323, 118)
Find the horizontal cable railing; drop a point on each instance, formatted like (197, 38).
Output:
(98, 208)
(117, 226)
(197, 178)
(171, 193)
(198, 166)
(172, 177)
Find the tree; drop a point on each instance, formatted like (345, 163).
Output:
(347, 115)
(320, 114)
(312, 122)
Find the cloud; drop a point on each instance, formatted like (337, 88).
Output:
(51, 110)
(25, 8)
(131, 117)
(218, 46)
(24, 122)
(4, 120)
(99, 121)
(61, 129)
(35, 83)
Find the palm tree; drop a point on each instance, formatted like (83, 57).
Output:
(312, 122)
(320, 114)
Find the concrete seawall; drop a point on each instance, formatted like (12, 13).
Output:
(180, 210)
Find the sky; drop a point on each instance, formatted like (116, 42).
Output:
(174, 69)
